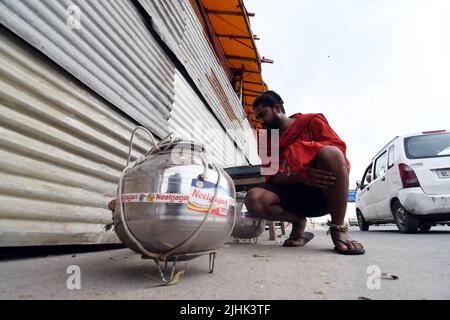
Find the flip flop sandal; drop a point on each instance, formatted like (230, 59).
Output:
(291, 242)
(344, 228)
(349, 251)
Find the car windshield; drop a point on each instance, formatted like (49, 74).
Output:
(428, 146)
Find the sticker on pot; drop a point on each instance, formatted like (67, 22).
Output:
(155, 197)
(201, 195)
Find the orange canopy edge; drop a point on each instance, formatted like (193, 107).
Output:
(230, 22)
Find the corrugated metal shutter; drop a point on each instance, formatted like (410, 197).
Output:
(65, 118)
(112, 53)
(61, 152)
(191, 119)
(251, 150)
(176, 22)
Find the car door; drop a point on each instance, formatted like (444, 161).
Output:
(393, 182)
(364, 196)
(380, 186)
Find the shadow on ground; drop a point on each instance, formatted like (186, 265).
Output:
(14, 253)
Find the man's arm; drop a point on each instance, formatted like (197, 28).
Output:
(301, 154)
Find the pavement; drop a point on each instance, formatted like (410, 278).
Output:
(396, 266)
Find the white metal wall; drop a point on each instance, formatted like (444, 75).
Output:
(112, 52)
(61, 152)
(203, 127)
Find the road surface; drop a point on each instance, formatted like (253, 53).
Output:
(265, 270)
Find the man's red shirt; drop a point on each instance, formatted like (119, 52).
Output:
(300, 143)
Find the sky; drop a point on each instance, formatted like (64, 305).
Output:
(375, 68)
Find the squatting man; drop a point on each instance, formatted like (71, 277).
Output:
(312, 179)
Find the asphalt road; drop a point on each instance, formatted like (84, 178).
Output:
(250, 271)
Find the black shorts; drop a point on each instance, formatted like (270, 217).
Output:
(300, 199)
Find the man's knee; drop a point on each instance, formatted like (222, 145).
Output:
(331, 155)
(252, 199)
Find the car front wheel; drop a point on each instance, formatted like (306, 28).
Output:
(406, 222)
(363, 225)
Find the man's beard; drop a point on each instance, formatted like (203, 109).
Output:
(275, 124)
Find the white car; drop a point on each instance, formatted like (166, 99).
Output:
(407, 182)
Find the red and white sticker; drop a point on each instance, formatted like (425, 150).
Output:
(202, 193)
(156, 197)
(199, 199)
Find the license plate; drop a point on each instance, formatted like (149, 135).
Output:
(443, 174)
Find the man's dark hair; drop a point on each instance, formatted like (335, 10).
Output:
(269, 99)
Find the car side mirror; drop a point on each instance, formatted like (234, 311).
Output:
(358, 184)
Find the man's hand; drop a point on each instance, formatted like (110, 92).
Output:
(284, 177)
(315, 177)
(319, 178)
